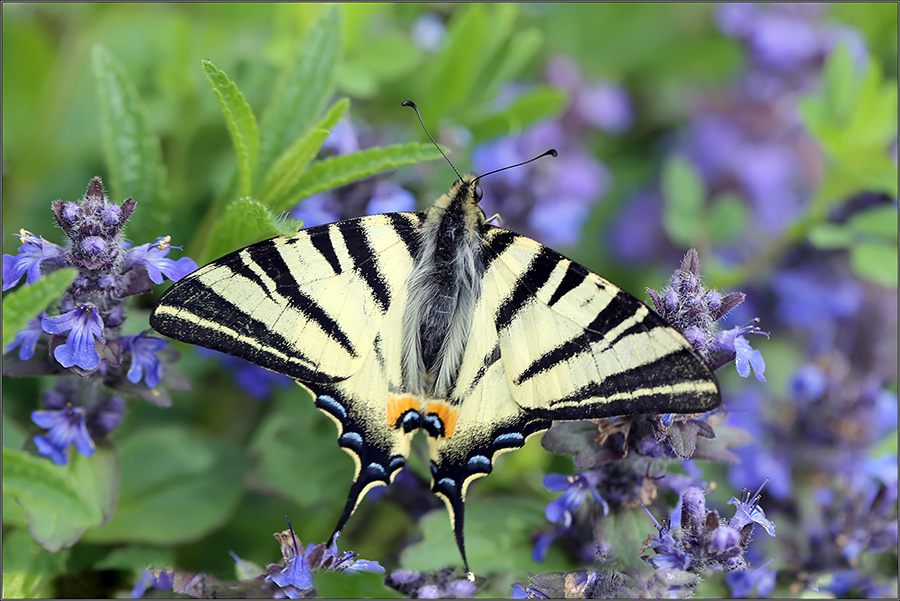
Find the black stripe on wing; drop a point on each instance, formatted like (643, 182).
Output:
(322, 242)
(268, 257)
(575, 275)
(623, 307)
(655, 387)
(364, 263)
(532, 280)
(196, 299)
(406, 226)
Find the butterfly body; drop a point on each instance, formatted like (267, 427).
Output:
(441, 322)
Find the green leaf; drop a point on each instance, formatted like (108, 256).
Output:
(880, 222)
(133, 153)
(96, 481)
(289, 167)
(840, 83)
(873, 123)
(544, 102)
(303, 87)
(337, 171)
(41, 486)
(498, 538)
(629, 528)
(522, 48)
(830, 236)
(241, 124)
(243, 222)
(727, 218)
(684, 193)
(61, 502)
(293, 434)
(24, 303)
(28, 570)
(875, 262)
(176, 487)
(451, 75)
(388, 56)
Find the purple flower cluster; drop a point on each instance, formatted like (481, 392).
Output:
(84, 341)
(707, 543)
(693, 310)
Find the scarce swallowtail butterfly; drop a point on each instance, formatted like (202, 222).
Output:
(442, 322)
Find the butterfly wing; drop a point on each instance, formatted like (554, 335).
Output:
(262, 303)
(323, 307)
(575, 346)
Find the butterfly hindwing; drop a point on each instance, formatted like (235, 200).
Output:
(575, 346)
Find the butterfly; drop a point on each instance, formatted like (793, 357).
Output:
(442, 322)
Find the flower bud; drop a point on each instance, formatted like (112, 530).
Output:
(93, 245)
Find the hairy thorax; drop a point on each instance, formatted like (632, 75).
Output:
(443, 290)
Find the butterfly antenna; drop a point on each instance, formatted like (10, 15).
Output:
(412, 104)
(551, 152)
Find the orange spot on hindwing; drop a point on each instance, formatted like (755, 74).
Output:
(399, 414)
(446, 417)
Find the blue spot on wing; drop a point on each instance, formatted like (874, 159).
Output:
(332, 406)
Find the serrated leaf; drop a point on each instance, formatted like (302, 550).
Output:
(96, 481)
(683, 192)
(289, 167)
(176, 486)
(132, 152)
(241, 124)
(544, 102)
(303, 87)
(26, 302)
(243, 222)
(875, 262)
(337, 171)
(28, 570)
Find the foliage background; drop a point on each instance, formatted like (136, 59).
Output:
(218, 471)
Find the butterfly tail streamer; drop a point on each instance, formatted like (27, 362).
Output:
(449, 491)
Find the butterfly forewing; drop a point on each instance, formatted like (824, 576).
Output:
(308, 306)
(575, 346)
